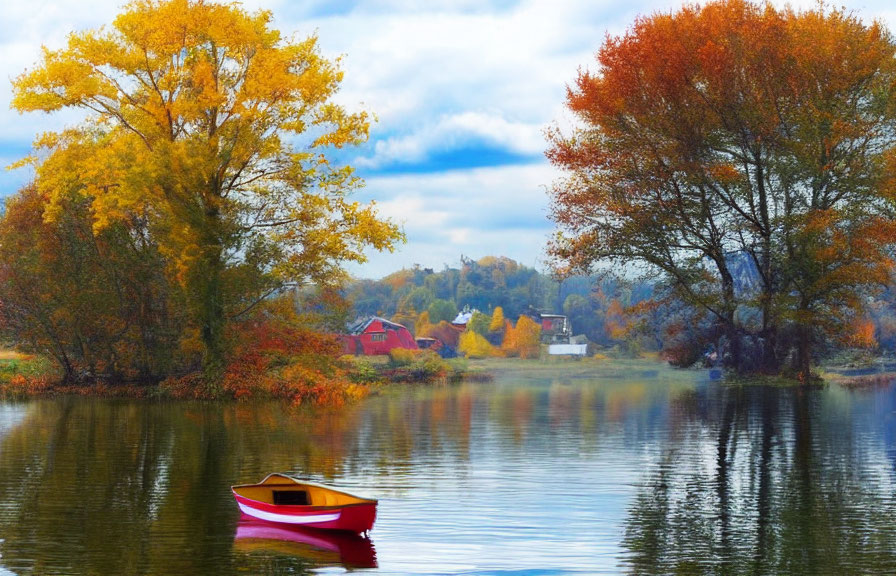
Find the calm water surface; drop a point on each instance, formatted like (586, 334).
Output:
(580, 469)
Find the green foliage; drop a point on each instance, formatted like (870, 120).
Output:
(484, 284)
(479, 323)
(442, 311)
(417, 300)
(361, 370)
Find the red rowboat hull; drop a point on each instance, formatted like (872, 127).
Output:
(355, 518)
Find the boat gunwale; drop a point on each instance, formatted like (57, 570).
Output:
(298, 482)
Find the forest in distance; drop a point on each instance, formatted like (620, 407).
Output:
(612, 311)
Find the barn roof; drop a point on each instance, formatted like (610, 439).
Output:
(359, 326)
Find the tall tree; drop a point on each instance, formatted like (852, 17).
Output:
(734, 131)
(203, 119)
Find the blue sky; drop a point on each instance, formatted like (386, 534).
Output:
(462, 89)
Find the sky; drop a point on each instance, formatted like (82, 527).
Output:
(462, 91)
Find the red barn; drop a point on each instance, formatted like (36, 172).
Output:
(373, 336)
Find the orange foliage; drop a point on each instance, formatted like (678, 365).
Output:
(276, 360)
(862, 334)
(443, 331)
(687, 118)
(615, 323)
(523, 340)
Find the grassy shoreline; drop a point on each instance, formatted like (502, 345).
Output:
(28, 376)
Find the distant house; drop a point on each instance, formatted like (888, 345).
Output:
(375, 336)
(555, 328)
(463, 318)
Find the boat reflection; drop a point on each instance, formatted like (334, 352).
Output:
(322, 548)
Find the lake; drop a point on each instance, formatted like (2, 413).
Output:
(578, 468)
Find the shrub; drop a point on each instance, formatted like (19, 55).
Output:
(418, 366)
(474, 345)
(273, 358)
(403, 356)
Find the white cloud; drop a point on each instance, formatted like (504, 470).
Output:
(479, 212)
(440, 75)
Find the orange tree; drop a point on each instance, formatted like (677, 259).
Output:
(204, 120)
(731, 136)
(523, 340)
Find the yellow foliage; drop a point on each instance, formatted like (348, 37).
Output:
(523, 340)
(473, 345)
(192, 108)
(403, 356)
(422, 326)
(498, 320)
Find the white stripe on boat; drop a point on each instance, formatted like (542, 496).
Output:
(287, 518)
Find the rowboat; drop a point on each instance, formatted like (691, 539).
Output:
(282, 499)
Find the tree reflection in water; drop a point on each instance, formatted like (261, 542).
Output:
(538, 474)
(758, 488)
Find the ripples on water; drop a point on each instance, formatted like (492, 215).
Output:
(639, 471)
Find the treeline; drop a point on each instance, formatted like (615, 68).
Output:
(636, 316)
(595, 305)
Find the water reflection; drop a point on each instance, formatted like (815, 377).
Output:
(770, 481)
(643, 471)
(318, 546)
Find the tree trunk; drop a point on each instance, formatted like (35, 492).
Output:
(803, 360)
(211, 305)
(212, 317)
(768, 362)
(729, 310)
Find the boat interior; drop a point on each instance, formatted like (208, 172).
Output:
(284, 491)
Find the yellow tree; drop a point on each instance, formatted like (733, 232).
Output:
(474, 345)
(523, 340)
(496, 326)
(203, 120)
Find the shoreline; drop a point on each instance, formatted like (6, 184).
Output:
(25, 376)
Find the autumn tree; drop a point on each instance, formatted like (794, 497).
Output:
(474, 345)
(204, 120)
(734, 140)
(523, 340)
(422, 325)
(496, 326)
(99, 304)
